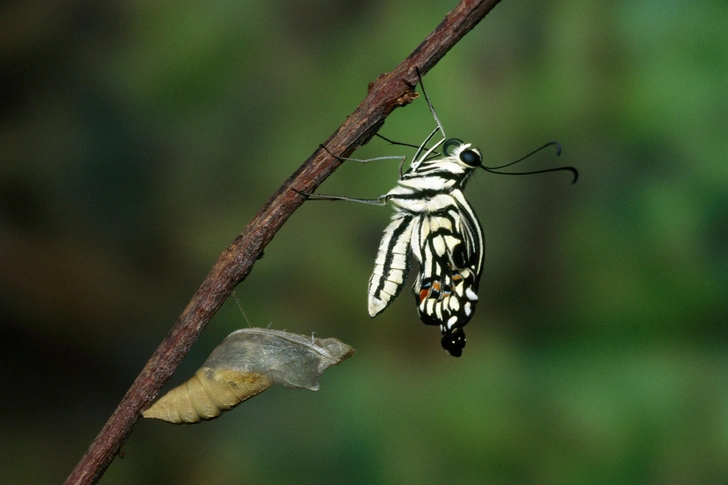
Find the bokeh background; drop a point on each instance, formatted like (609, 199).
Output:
(138, 138)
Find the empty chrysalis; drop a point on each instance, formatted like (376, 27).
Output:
(245, 364)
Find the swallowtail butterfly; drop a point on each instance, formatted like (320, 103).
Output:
(435, 224)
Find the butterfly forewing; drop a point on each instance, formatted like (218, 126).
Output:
(392, 263)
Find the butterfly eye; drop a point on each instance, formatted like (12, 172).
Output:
(470, 157)
(450, 145)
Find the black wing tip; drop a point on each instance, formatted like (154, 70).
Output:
(454, 342)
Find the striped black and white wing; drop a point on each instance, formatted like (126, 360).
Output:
(449, 247)
(392, 264)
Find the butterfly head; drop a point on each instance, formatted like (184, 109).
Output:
(463, 153)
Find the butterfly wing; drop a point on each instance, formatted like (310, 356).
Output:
(449, 248)
(392, 264)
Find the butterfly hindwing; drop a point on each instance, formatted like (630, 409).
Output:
(449, 251)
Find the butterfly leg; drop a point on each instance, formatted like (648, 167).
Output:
(380, 201)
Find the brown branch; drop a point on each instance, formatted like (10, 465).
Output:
(388, 92)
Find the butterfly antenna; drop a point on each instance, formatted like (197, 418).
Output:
(573, 170)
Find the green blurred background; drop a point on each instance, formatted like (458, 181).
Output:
(138, 138)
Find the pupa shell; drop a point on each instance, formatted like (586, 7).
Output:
(245, 364)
